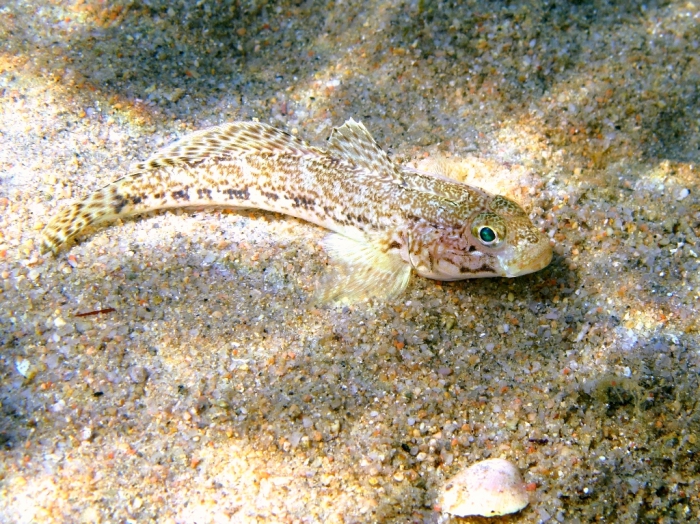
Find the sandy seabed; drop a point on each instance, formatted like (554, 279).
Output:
(211, 389)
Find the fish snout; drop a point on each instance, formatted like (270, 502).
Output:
(535, 258)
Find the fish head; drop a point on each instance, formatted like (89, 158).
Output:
(498, 239)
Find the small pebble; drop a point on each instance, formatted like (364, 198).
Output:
(683, 193)
(138, 374)
(23, 367)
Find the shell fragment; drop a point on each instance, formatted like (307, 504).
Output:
(488, 488)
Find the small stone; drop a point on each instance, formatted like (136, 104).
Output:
(449, 321)
(488, 488)
(295, 439)
(294, 411)
(90, 515)
(138, 374)
(86, 433)
(25, 368)
(176, 94)
(83, 325)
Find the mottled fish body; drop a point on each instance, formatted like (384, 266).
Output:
(386, 219)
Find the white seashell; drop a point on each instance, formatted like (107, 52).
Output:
(488, 488)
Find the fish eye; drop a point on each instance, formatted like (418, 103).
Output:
(489, 229)
(487, 235)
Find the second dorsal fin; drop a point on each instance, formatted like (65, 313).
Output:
(227, 139)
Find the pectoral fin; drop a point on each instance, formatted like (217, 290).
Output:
(363, 270)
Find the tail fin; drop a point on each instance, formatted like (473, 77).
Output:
(102, 205)
(152, 185)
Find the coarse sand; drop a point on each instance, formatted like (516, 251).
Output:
(172, 368)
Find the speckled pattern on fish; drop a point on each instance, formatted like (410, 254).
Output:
(387, 219)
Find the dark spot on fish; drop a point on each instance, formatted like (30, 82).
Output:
(202, 192)
(119, 203)
(180, 194)
(395, 245)
(472, 249)
(270, 195)
(484, 268)
(302, 201)
(136, 199)
(240, 194)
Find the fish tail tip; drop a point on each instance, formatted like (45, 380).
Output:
(50, 243)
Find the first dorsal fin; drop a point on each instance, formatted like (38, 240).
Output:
(227, 139)
(352, 142)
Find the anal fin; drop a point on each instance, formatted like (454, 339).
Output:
(363, 271)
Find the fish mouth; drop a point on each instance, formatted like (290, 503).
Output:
(537, 259)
